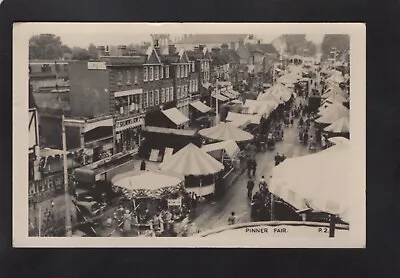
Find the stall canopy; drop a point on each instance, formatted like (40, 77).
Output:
(230, 147)
(191, 160)
(219, 97)
(149, 184)
(332, 90)
(200, 106)
(340, 126)
(279, 91)
(336, 77)
(333, 113)
(228, 94)
(335, 98)
(242, 118)
(260, 107)
(226, 131)
(319, 181)
(175, 116)
(339, 140)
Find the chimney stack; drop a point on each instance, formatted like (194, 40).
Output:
(132, 52)
(201, 47)
(171, 49)
(122, 50)
(107, 50)
(101, 51)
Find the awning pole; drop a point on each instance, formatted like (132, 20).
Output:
(66, 191)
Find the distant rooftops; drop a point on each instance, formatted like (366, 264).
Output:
(211, 38)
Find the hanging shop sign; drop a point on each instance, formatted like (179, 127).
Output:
(175, 202)
(128, 123)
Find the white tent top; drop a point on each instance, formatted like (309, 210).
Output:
(242, 118)
(333, 89)
(226, 131)
(261, 107)
(280, 92)
(318, 181)
(191, 160)
(230, 147)
(339, 140)
(341, 125)
(333, 113)
(270, 98)
(148, 180)
(175, 116)
(200, 106)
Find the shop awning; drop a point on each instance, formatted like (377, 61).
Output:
(228, 94)
(163, 130)
(200, 106)
(237, 117)
(92, 125)
(175, 116)
(226, 131)
(230, 147)
(219, 97)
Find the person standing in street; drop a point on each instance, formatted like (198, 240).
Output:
(249, 165)
(250, 186)
(232, 218)
(254, 167)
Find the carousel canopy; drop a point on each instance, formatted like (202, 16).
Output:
(319, 181)
(340, 126)
(150, 183)
(230, 147)
(226, 131)
(333, 113)
(243, 118)
(191, 160)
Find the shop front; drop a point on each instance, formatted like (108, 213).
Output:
(183, 106)
(127, 133)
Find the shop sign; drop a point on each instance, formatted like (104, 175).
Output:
(175, 202)
(129, 123)
(97, 66)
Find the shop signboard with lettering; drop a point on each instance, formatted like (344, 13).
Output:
(97, 66)
(128, 123)
(175, 202)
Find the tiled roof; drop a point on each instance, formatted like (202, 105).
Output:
(169, 58)
(194, 55)
(263, 48)
(124, 60)
(211, 38)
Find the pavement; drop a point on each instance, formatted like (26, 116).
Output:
(215, 214)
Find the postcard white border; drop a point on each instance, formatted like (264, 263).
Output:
(357, 183)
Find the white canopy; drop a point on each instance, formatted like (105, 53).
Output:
(333, 113)
(339, 140)
(200, 106)
(340, 126)
(242, 118)
(318, 181)
(260, 107)
(226, 131)
(175, 116)
(148, 180)
(230, 147)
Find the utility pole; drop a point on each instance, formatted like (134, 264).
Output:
(68, 227)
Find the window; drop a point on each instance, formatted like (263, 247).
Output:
(46, 68)
(151, 99)
(162, 98)
(156, 97)
(166, 94)
(119, 78)
(178, 71)
(65, 67)
(202, 65)
(145, 74)
(178, 92)
(151, 76)
(162, 72)
(128, 77)
(166, 71)
(171, 93)
(192, 65)
(187, 70)
(145, 99)
(156, 73)
(186, 90)
(57, 66)
(136, 76)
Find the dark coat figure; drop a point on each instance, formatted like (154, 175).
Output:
(277, 159)
(250, 186)
(254, 167)
(143, 165)
(305, 138)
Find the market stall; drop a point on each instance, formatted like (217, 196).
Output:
(226, 131)
(225, 151)
(333, 113)
(198, 167)
(319, 182)
(340, 126)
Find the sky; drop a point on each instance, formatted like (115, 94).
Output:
(84, 34)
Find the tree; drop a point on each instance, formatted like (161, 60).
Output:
(79, 53)
(92, 51)
(297, 44)
(339, 41)
(45, 46)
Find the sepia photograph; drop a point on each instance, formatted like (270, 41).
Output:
(188, 135)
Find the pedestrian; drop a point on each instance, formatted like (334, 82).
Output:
(254, 167)
(143, 165)
(250, 186)
(263, 184)
(277, 159)
(232, 218)
(249, 166)
(323, 142)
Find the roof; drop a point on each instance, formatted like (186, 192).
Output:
(124, 60)
(175, 116)
(50, 61)
(262, 47)
(230, 147)
(194, 55)
(211, 38)
(226, 131)
(52, 101)
(200, 106)
(174, 131)
(170, 58)
(191, 160)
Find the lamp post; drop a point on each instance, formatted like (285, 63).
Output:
(68, 228)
